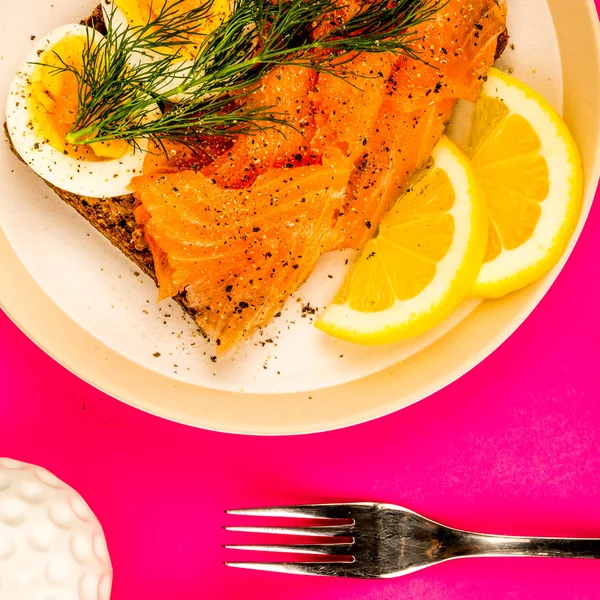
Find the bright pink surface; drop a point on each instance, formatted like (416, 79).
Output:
(512, 448)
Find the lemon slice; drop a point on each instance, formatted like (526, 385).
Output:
(530, 169)
(423, 262)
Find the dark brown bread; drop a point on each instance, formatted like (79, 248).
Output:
(96, 20)
(114, 218)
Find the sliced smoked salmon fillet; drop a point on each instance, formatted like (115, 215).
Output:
(399, 145)
(163, 270)
(346, 102)
(286, 91)
(346, 105)
(455, 49)
(239, 254)
(175, 156)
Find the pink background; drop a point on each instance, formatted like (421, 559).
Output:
(511, 448)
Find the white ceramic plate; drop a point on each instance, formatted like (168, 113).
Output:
(68, 288)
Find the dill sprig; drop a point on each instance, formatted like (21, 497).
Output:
(127, 73)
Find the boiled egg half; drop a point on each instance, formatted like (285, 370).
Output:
(41, 109)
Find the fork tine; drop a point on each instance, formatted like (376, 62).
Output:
(306, 511)
(326, 549)
(333, 531)
(332, 569)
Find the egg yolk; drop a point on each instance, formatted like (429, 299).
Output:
(53, 103)
(139, 12)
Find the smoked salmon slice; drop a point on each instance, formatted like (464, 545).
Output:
(346, 108)
(455, 49)
(242, 230)
(240, 253)
(285, 91)
(174, 156)
(399, 145)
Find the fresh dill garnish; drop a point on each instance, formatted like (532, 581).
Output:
(125, 74)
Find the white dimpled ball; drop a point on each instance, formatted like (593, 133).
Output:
(51, 544)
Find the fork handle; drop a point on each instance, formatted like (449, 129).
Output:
(475, 544)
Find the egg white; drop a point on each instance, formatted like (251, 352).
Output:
(105, 179)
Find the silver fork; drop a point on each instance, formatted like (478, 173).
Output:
(378, 541)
